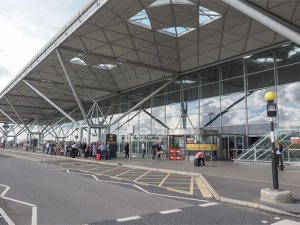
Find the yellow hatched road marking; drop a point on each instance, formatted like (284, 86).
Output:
(161, 183)
(142, 175)
(202, 187)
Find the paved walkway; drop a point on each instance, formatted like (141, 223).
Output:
(232, 182)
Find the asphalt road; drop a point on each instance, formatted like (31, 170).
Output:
(38, 190)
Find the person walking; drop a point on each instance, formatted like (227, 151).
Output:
(108, 150)
(127, 150)
(158, 150)
(143, 150)
(94, 150)
(279, 150)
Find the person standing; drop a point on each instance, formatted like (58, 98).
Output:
(143, 150)
(108, 150)
(279, 150)
(153, 150)
(74, 148)
(127, 150)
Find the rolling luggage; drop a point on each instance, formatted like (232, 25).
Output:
(197, 162)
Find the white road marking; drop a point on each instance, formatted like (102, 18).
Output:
(264, 221)
(208, 204)
(128, 218)
(5, 216)
(138, 187)
(34, 216)
(286, 222)
(68, 171)
(34, 207)
(276, 218)
(6, 189)
(96, 178)
(170, 211)
(171, 196)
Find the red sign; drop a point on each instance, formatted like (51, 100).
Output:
(295, 140)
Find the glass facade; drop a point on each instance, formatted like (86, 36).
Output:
(228, 98)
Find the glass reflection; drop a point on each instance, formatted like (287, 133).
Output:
(289, 115)
(233, 101)
(288, 92)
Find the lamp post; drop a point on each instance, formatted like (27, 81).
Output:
(272, 112)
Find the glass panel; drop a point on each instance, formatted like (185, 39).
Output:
(289, 115)
(192, 121)
(193, 107)
(175, 86)
(145, 127)
(256, 98)
(158, 112)
(261, 80)
(206, 118)
(234, 101)
(288, 55)
(157, 128)
(238, 129)
(209, 76)
(173, 97)
(234, 117)
(173, 110)
(289, 74)
(233, 85)
(259, 129)
(257, 115)
(190, 94)
(190, 81)
(172, 122)
(134, 116)
(210, 90)
(232, 70)
(259, 63)
(210, 105)
(159, 100)
(288, 92)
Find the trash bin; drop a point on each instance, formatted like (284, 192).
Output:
(197, 162)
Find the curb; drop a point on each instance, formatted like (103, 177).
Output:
(253, 205)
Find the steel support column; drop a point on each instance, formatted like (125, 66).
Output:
(10, 118)
(49, 101)
(8, 101)
(144, 100)
(72, 86)
(265, 20)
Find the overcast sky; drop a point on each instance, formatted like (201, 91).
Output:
(26, 26)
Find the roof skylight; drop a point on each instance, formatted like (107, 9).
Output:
(141, 19)
(207, 16)
(176, 31)
(168, 2)
(105, 66)
(78, 61)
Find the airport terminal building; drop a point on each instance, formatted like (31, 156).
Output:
(190, 74)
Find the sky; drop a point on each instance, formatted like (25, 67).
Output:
(26, 26)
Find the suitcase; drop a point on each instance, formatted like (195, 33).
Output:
(281, 167)
(98, 156)
(197, 162)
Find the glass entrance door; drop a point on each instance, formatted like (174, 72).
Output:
(232, 146)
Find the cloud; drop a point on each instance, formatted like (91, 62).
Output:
(27, 27)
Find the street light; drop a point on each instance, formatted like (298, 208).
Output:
(272, 112)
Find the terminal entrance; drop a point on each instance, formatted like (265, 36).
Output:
(183, 144)
(232, 145)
